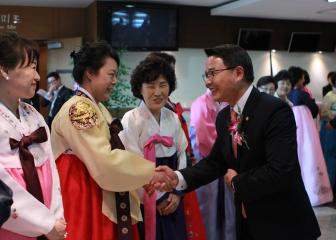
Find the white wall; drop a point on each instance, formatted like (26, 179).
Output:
(317, 65)
(190, 66)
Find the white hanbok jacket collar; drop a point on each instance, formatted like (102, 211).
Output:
(140, 124)
(29, 216)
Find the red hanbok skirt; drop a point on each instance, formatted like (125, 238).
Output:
(82, 201)
(194, 222)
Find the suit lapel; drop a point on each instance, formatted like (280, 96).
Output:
(248, 117)
(61, 91)
(249, 109)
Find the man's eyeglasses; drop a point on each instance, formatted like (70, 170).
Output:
(213, 72)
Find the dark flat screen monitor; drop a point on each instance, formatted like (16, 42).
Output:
(142, 28)
(304, 42)
(254, 39)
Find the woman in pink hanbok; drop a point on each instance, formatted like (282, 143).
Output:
(313, 167)
(27, 164)
(215, 199)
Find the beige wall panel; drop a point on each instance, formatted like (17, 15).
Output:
(59, 59)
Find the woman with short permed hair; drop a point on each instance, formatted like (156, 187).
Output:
(153, 131)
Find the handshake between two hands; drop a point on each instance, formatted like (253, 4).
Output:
(164, 180)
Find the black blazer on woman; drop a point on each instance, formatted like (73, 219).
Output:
(6, 200)
(269, 180)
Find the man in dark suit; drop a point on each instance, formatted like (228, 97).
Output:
(57, 95)
(256, 153)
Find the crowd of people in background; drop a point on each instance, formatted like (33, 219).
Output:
(291, 86)
(81, 174)
(315, 132)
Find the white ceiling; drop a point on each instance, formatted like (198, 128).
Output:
(307, 10)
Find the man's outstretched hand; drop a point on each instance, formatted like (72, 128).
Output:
(170, 179)
(164, 180)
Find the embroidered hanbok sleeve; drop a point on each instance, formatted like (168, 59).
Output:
(81, 126)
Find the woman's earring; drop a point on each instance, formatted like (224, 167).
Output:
(4, 74)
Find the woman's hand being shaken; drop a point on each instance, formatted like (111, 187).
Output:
(58, 232)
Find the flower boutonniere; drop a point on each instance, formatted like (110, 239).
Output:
(235, 128)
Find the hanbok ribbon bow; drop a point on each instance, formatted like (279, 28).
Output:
(27, 160)
(115, 128)
(150, 201)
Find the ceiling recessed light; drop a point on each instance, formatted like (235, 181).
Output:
(331, 1)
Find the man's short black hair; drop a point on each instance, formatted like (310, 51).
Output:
(264, 80)
(54, 74)
(233, 56)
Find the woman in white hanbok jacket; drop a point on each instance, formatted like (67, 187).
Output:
(155, 132)
(27, 164)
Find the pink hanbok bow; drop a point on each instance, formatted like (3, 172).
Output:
(150, 201)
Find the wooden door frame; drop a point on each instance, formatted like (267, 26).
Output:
(43, 72)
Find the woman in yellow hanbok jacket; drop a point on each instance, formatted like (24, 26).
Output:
(97, 176)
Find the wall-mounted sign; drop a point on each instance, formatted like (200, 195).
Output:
(9, 21)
